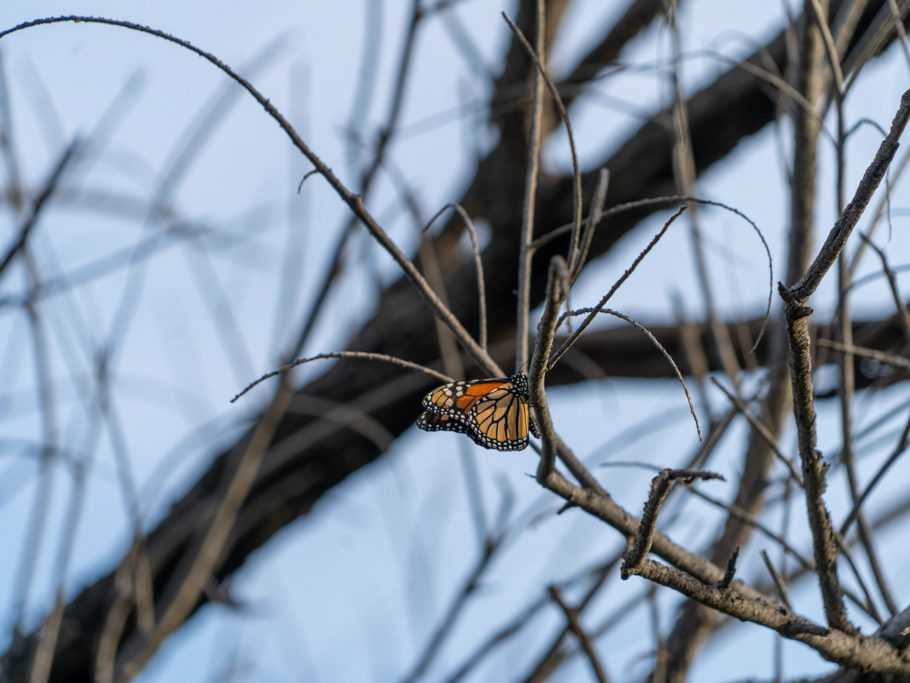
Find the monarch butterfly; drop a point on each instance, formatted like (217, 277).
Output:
(493, 412)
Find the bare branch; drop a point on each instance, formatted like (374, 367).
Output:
(530, 189)
(879, 356)
(837, 238)
(761, 430)
(660, 487)
(381, 357)
(583, 637)
(801, 370)
(546, 331)
(478, 264)
(654, 341)
(567, 344)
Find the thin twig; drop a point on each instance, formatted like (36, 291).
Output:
(762, 431)
(539, 62)
(830, 49)
(899, 449)
(868, 604)
(874, 354)
(694, 350)
(367, 178)
(874, 39)
(737, 512)
(456, 607)
(546, 331)
(36, 526)
(902, 310)
(47, 190)
(837, 237)
(478, 266)
(522, 619)
(661, 654)
(567, 344)
(595, 215)
(382, 357)
(778, 580)
(429, 263)
(844, 331)
(651, 201)
(684, 176)
(666, 354)
(899, 27)
(532, 170)
(582, 635)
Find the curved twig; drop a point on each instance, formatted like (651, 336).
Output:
(568, 343)
(478, 265)
(666, 354)
(666, 199)
(344, 354)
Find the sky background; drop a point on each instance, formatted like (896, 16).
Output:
(352, 591)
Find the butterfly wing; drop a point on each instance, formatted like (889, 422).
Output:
(460, 397)
(501, 420)
(493, 412)
(430, 421)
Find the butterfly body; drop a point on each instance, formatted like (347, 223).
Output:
(492, 412)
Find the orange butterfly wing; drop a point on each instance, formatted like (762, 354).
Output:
(493, 412)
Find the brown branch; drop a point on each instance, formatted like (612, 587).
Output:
(837, 237)
(644, 537)
(892, 285)
(736, 600)
(586, 643)
(856, 651)
(873, 354)
(813, 468)
(49, 189)
(797, 313)
(761, 429)
(566, 345)
(546, 330)
(532, 171)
